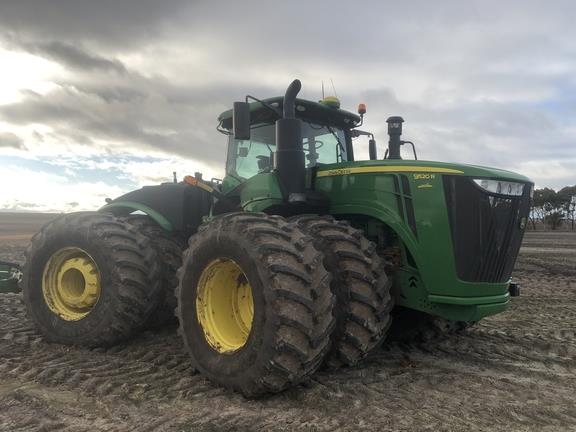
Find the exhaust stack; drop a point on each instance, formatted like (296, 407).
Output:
(289, 160)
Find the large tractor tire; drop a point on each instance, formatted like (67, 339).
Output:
(359, 281)
(90, 279)
(254, 303)
(168, 247)
(412, 326)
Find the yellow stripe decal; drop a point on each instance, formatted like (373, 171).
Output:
(390, 168)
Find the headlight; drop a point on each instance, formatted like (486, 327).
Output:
(501, 187)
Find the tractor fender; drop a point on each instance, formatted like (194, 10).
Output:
(388, 217)
(174, 206)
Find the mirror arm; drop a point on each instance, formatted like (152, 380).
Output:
(265, 104)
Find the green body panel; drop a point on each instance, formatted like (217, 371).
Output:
(260, 192)
(135, 206)
(467, 170)
(427, 279)
(229, 183)
(367, 188)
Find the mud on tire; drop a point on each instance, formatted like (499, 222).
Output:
(362, 289)
(292, 303)
(168, 247)
(128, 273)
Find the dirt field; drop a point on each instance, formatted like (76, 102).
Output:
(513, 372)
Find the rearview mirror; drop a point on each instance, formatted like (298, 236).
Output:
(372, 152)
(241, 121)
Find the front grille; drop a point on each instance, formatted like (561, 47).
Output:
(486, 229)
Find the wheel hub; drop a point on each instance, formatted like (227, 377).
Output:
(71, 283)
(224, 305)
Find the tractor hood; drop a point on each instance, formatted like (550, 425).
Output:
(412, 166)
(461, 235)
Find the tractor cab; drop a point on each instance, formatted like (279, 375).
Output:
(325, 135)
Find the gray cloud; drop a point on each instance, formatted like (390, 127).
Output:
(490, 134)
(138, 115)
(73, 57)
(129, 110)
(478, 82)
(121, 24)
(8, 139)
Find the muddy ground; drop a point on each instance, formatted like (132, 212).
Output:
(513, 372)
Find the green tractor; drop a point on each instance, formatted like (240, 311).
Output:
(300, 257)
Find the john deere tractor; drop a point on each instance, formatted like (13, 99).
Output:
(300, 257)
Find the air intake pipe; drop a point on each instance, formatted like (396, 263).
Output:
(289, 160)
(395, 132)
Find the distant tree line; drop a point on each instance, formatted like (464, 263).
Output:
(553, 209)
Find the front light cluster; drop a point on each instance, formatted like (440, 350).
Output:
(501, 187)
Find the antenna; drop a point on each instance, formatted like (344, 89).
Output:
(333, 88)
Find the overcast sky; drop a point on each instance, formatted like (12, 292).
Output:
(100, 97)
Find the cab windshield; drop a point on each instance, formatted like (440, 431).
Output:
(322, 145)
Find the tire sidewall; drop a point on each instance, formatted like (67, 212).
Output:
(246, 361)
(95, 246)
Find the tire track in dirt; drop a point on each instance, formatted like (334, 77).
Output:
(143, 371)
(134, 371)
(513, 371)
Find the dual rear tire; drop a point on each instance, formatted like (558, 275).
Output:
(90, 279)
(263, 302)
(168, 247)
(254, 303)
(360, 284)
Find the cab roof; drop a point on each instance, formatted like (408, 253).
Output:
(305, 109)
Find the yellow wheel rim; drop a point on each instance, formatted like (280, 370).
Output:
(71, 283)
(224, 305)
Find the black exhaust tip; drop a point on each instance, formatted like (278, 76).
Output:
(395, 133)
(290, 98)
(289, 160)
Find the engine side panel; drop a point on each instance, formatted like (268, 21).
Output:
(411, 201)
(175, 206)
